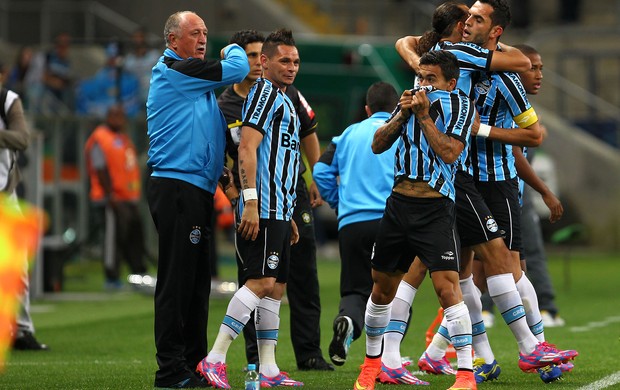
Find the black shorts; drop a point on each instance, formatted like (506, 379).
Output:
(502, 197)
(474, 220)
(423, 227)
(269, 254)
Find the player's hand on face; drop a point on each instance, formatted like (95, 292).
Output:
(405, 103)
(248, 228)
(294, 233)
(420, 103)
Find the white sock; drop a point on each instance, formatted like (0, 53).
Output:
(459, 326)
(395, 330)
(480, 339)
(376, 320)
(267, 320)
(530, 303)
(237, 315)
(503, 291)
(436, 350)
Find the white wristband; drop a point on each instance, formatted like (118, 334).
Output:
(250, 194)
(484, 130)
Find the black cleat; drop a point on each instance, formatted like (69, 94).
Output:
(27, 342)
(315, 364)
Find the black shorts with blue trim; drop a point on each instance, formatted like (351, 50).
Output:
(474, 220)
(423, 227)
(269, 254)
(502, 197)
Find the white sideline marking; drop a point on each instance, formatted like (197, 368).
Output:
(608, 381)
(595, 324)
(67, 363)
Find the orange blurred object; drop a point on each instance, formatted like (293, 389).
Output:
(20, 232)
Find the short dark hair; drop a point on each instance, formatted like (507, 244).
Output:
(501, 12)
(245, 37)
(381, 97)
(526, 49)
(446, 61)
(279, 37)
(445, 18)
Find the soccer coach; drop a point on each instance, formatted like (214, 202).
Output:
(187, 137)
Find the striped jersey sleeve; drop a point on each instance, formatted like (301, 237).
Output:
(501, 100)
(271, 112)
(453, 114)
(472, 58)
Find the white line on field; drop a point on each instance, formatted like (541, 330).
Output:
(66, 363)
(595, 324)
(608, 381)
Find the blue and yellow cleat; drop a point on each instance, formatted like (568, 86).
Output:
(486, 372)
(550, 374)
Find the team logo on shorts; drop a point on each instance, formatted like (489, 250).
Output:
(448, 256)
(273, 260)
(305, 217)
(492, 225)
(194, 235)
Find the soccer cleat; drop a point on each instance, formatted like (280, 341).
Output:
(485, 372)
(567, 354)
(566, 367)
(370, 370)
(543, 355)
(282, 379)
(315, 364)
(464, 381)
(27, 342)
(437, 367)
(550, 374)
(551, 320)
(214, 373)
(343, 336)
(398, 376)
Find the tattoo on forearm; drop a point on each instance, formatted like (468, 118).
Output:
(388, 133)
(439, 142)
(243, 176)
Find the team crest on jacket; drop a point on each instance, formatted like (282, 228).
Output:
(491, 225)
(305, 217)
(273, 260)
(194, 235)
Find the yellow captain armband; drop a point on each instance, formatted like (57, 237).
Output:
(526, 118)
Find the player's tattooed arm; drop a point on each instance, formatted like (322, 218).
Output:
(387, 134)
(243, 176)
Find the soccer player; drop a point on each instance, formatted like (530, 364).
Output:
(500, 100)
(303, 286)
(342, 177)
(477, 227)
(419, 218)
(533, 246)
(268, 168)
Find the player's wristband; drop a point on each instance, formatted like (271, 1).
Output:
(250, 194)
(484, 131)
